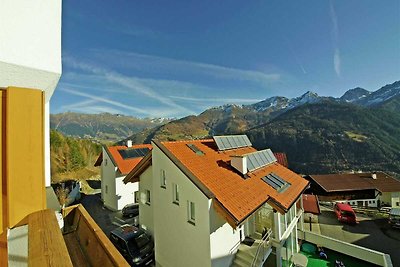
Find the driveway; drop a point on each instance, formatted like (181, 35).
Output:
(369, 233)
(105, 218)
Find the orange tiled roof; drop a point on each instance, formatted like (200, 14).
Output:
(239, 196)
(124, 165)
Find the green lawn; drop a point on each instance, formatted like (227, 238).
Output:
(315, 261)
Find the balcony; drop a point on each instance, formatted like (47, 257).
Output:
(256, 246)
(38, 241)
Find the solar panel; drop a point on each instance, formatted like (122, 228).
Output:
(231, 141)
(195, 149)
(259, 159)
(276, 182)
(131, 153)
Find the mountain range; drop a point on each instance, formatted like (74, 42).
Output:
(357, 131)
(102, 127)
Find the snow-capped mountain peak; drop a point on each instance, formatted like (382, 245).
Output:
(355, 94)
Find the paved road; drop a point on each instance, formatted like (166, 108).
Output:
(105, 218)
(373, 234)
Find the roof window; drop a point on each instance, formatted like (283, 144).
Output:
(276, 182)
(195, 149)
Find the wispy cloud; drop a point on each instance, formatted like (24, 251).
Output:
(295, 56)
(335, 39)
(128, 82)
(169, 65)
(89, 106)
(103, 100)
(217, 100)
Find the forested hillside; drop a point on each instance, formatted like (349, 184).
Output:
(72, 158)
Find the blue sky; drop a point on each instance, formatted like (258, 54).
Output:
(176, 58)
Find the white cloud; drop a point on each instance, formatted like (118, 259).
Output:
(168, 65)
(127, 82)
(217, 100)
(335, 39)
(103, 100)
(336, 61)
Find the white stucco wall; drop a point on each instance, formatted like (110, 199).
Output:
(395, 199)
(108, 190)
(390, 198)
(30, 51)
(30, 47)
(125, 193)
(178, 242)
(146, 212)
(223, 239)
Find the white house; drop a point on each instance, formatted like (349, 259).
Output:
(116, 162)
(204, 200)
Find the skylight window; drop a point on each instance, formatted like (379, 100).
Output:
(276, 182)
(195, 149)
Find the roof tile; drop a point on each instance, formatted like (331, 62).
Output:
(239, 195)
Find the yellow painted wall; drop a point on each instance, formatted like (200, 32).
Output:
(24, 152)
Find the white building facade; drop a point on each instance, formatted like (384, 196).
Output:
(189, 229)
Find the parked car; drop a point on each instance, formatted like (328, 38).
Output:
(345, 213)
(134, 244)
(394, 217)
(131, 210)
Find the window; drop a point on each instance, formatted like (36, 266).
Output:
(397, 204)
(163, 182)
(105, 162)
(175, 198)
(106, 189)
(136, 196)
(148, 199)
(191, 212)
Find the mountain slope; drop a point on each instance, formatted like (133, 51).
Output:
(72, 158)
(102, 126)
(330, 137)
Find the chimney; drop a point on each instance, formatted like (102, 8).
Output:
(239, 163)
(373, 175)
(129, 143)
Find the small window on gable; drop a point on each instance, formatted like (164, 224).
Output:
(105, 162)
(148, 197)
(175, 194)
(163, 179)
(191, 212)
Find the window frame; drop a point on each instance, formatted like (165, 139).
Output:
(175, 194)
(191, 212)
(163, 179)
(148, 197)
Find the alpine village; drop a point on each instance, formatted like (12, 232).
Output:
(308, 180)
